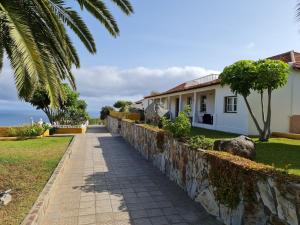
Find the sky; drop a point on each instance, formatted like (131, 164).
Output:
(167, 42)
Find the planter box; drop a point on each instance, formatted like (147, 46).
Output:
(70, 130)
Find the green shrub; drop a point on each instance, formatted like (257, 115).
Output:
(181, 126)
(28, 130)
(202, 142)
(94, 121)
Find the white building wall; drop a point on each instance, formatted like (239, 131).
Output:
(210, 104)
(285, 103)
(230, 122)
(295, 80)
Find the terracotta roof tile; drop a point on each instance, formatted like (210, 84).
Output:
(288, 57)
(184, 87)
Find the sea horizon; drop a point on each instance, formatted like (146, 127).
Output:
(14, 118)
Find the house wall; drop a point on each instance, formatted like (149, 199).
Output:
(285, 103)
(210, 105)
(230, 122)
(184, 102)
(173, 105)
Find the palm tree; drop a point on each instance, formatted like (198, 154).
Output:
(33, 36)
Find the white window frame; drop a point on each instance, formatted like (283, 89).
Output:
(230, 104)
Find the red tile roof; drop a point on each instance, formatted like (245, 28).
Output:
(185, 87)
(288, 57)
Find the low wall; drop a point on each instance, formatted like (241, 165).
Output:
(4, 131)
(125, 115)
(70, 130)
(113, 124)
(235, 190)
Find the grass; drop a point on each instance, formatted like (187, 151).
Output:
(25, 167)
(282, 153)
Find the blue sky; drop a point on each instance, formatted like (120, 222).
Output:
(209, 34)
(167, 42)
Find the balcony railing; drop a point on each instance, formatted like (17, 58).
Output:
(203, 80)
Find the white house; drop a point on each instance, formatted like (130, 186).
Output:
(215, 107)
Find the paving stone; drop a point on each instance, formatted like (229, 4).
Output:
(114, 185)
(142, 221)
(154, 212)
(159, 220)
(121, 216)
(136, 214)
(87, 211)
(87, 219)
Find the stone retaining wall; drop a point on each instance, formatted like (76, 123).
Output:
(265, 196)
(112, 124)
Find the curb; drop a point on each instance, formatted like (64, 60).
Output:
(39, 208)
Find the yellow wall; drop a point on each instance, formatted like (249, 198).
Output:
(286, 135)
(70, 130)
(4, 131)
(124, 115)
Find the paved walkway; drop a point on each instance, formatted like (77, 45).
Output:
(108, 182)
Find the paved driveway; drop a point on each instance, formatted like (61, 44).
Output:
(108, 182)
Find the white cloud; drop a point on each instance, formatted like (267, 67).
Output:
(250, 45)
(104, 85)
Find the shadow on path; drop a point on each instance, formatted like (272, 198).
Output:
(129, 190)
(96, 129)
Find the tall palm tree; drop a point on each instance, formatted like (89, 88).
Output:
(33, 36)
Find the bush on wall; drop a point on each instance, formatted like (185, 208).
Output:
(201, 142)
(28, 130)
(181, 126)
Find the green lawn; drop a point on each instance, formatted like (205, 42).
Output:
(281, 153)
(25, 167)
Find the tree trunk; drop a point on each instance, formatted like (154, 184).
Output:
(260, 131)
(267, 124)
(262, 106)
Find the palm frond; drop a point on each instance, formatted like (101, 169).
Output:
(99, 10)
(125, 6)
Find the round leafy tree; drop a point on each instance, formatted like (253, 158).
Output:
(263, 76)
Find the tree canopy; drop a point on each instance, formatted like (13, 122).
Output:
(71, 110)
(105, 112)
(122, 105)
(261, 76)
(34, 36)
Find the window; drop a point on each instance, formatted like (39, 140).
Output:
(231, 104)
(203, 103)
(189, 101)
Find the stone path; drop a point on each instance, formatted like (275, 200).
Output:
(108, 182)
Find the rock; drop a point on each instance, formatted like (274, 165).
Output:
(154, 112)
(207, 200)
(242, 146)
(255, 214)
(5, 197)
(286, 210)
(266, 195)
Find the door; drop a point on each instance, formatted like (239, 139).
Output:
(176, 107)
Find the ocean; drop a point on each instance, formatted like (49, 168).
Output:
(14, 118)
